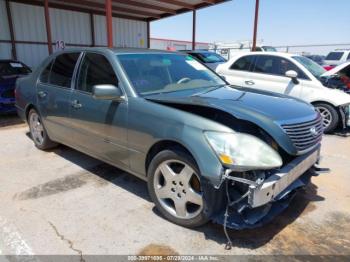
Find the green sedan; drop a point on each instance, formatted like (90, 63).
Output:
(208, 150)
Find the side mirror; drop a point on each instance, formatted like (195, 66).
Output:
(293, 75)
(107, 92)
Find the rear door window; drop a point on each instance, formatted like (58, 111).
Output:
(45, 74)
(95, 70)
(348, 56)
(334, 56)
(274, 65)
(62, 69)
(244, 63)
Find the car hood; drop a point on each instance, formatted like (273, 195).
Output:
(267, 110)
(243, 103)
(336, 69)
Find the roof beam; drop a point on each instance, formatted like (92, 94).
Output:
(144, 5)
(209, 1)
(178, 3)
(78, 9)
(114, 8)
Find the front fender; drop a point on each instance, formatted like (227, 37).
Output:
(332, 96)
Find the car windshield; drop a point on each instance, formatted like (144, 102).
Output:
(160, 73)
(310, 65)
(334, 56)
(269, 49)
(13, 68)
(209, 57)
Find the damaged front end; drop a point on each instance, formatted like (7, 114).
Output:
(252, 199)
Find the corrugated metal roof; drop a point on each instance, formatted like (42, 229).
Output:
(146, 10)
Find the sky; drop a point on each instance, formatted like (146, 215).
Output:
(281, 22)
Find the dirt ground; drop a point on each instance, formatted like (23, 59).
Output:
(64, 202)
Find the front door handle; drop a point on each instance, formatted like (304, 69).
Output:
(76, 104)
(42, 94)
(250, 82)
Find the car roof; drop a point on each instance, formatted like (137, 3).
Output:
(116, 50)
(198, 51)
(280, 54)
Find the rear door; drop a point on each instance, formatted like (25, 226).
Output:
(99, 126)
(239, 71)
(54, 88)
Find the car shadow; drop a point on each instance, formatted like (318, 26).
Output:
(7, 120)
(102, 170)
(301, 205)
(341, 132)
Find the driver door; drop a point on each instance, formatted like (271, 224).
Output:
(100, 126)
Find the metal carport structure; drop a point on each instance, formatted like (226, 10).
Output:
(29, 25)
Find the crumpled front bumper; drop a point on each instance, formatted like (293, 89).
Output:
(345, 115)
(268, 199)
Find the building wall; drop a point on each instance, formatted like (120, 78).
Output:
(29, 25)
(70, 26)
(128, 33)
(5, 48)
(74, 28)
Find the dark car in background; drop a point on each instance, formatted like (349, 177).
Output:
(205, 148)
(10, 71)
(210, 59)
(319, 59)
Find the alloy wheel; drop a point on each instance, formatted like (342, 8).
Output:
(326, 116)
(37, 128)
(177, 188)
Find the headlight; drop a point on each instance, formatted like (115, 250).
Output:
(243, 151)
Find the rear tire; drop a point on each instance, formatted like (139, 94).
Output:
(174, 187)
(38, 131)
(330, 116)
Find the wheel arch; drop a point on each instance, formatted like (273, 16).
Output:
(27, 110)
(336, 108)
(163, 145)
(328, 103)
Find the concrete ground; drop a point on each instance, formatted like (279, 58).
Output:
(65, 202)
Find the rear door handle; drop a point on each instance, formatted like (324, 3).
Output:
(76, 104)
(42, 94)
(250, 82)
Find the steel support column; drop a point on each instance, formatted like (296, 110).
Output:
(12, 34)
(48, 26)
(109, 23)
(148, 34)
(194, 12)
(255, 24)
(92, 29)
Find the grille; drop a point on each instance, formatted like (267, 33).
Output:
(305, 135)
(10, 93)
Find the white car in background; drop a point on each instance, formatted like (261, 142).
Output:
(337, 57)
(292, 75)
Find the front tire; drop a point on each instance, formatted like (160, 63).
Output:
(38, 131)
(174, 187)
(329, 115)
